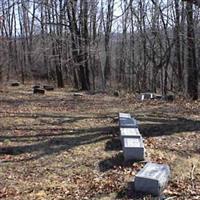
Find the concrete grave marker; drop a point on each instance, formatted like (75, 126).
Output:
(128, 133)
(36, 86)
(152, 179)
(38, 91)
(124, 115)
(125, 121)
(133, 149)
(147, 96)
(15, 84)
(48, 87)
(158, 97)
(78, 94)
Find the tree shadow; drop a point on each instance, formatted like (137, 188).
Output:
(56, 144)
(114, 144)
(69, 118)
(46, 133)
(115, 162)
(111, 163)
(161, 127)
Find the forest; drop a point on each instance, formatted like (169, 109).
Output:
(135, 45)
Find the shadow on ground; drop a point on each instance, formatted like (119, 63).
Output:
(163, 127)
(114, 162)
(114, 144)
(111, 163)
(55, 144)
(47, 133)
(64, 139)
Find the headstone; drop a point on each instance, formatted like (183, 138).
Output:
(124, 115)
(125, 122)
(152, 179)
(48, 87)
(142, 97)
(128, 133)
(78, 94)
(158, 97)
(38, 91)
(116, 93)
(15, 84)
(147, 96)
(133, 149)
(36, 86)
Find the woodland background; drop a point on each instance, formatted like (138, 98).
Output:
(136, 45)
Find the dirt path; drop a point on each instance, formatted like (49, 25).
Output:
(59, 146)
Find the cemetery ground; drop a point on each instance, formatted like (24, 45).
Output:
(65, 146)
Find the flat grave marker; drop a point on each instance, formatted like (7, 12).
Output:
(133, 149)
(147, 96)
(152, 179)
(48, 87)
(15, 84)
(125, 121)
(128, 133)
(128, 123)
(124, 115)
(38, 91)
(36, 87)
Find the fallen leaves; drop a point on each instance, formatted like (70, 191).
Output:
(69, 137)
(8, 192)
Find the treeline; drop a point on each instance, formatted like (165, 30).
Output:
(135, 45)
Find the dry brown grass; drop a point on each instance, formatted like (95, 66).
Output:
(58, 146)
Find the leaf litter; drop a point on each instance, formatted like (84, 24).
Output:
(60, 146)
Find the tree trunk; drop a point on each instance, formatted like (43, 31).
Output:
(192, 79)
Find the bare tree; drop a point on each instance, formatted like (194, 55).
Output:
(192, 80)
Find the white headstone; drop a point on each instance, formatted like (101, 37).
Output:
(133, 148)
(127, 122)
(124, 115)
(152, 179)
(147, 96)
(128, 133)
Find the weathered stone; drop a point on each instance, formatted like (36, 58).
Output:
(124, 115)
(116, 93)
(128, 133)
(36, 86)
(158, 97)
(133, 149)
(48, 87)
(152, 179)
(125, 122)
(15, 84)
(78, 94)
(38, 91)
(147, 96)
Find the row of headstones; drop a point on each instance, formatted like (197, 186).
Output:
(154, 96)
(153, 178)
(37, 89)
